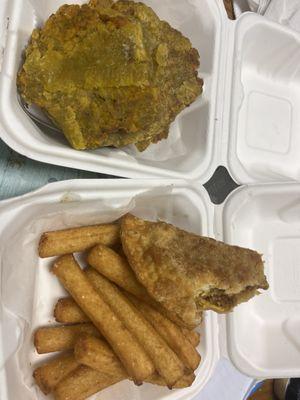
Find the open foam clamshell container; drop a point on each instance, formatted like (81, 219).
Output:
(246, 118)
(261, 337)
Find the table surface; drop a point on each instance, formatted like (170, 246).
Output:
(19, 175)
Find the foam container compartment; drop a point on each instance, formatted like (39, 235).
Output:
(263, 138)
(200, 20)
(261, 337)
(246, 118)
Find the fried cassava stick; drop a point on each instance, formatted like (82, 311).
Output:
(116, 268)
(51, 373)
(163, 357)
(60, 338)
(67, 241)
(137, 363)
(192, 336)
(96, 354)
(68, 312)
(82, 383)
(170, 333)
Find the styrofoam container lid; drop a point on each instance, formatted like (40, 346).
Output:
(263, 126)
(261, 337)
(246, 118)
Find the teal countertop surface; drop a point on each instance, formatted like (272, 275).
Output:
(19, 175)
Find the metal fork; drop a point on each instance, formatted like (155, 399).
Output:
(42, 122)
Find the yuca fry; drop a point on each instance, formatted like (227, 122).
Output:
(116, 268)
(68, 241)
(96, 354)
(192, 336)
(137, 363)
(184, 382)
(170, 333)
(165, 360)
(82, 383)
(68, 312)
(60, 338)
(51, 373)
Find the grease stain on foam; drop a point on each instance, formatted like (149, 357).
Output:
(69, 197)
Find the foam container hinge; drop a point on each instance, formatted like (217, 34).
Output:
(246, 118)
(261, 337)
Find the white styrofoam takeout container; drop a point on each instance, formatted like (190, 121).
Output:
(261, 337)
(246, 119)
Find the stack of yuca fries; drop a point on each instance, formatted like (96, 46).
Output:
(112, 329)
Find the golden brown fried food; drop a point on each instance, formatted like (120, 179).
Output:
(60, 338)
(137, 363)
(51, 373)
(170, 333)
(97, 70)
(165, 360)
(82, 383)
(97, 355)
(186, 272)
(184, 382)
(115, 267)
(65, 241)
(192, 336)
(67, 311)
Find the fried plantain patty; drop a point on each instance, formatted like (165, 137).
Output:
(109, 74)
